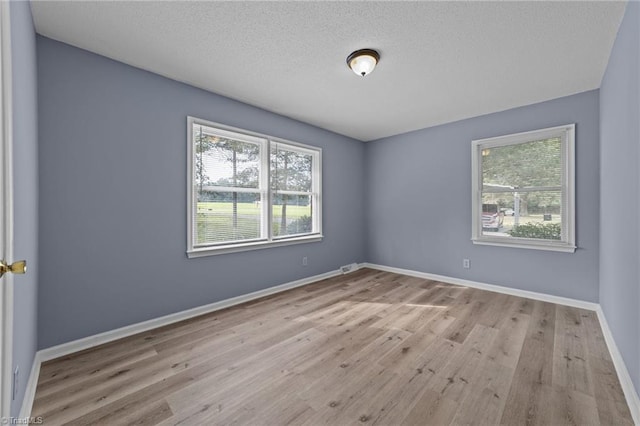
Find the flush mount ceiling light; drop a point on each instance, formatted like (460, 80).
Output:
(363, 61)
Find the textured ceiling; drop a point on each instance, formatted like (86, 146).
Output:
(440, 61)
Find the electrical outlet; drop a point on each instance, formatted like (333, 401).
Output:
(305, 261)
(466, 264)
(16, 376)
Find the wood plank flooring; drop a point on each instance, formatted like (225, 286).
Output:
(370, 347)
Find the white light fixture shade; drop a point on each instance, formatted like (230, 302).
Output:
(363, 61)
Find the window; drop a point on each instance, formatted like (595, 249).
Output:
(249, 191)
(523, 190)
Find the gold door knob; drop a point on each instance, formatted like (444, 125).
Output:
(19, 267)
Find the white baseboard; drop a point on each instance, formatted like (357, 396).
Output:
(629, 390)
(489, 287)
(77, 345)
(32, 383)
(109, 336)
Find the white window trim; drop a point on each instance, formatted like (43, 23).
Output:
(265, 190)
(567, 244)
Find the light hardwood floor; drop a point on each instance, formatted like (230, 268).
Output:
(370, 347)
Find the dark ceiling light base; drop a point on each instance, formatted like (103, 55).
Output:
(363, 61)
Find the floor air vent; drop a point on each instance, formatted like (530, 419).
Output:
(348, 268)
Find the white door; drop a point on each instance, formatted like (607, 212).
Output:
(6, 217)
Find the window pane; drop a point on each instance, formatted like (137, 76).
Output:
(535, 214)
(530, 164)
(223, 161)
(292, 214)
(247, 190)
(227, 217)
(523, 192)
(290, 170)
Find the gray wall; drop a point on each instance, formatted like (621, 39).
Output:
(112, 198)
(419, 202)
(619, 188)
(25, 146)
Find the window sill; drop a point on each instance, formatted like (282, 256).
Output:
(235, 248)
(527, 244)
